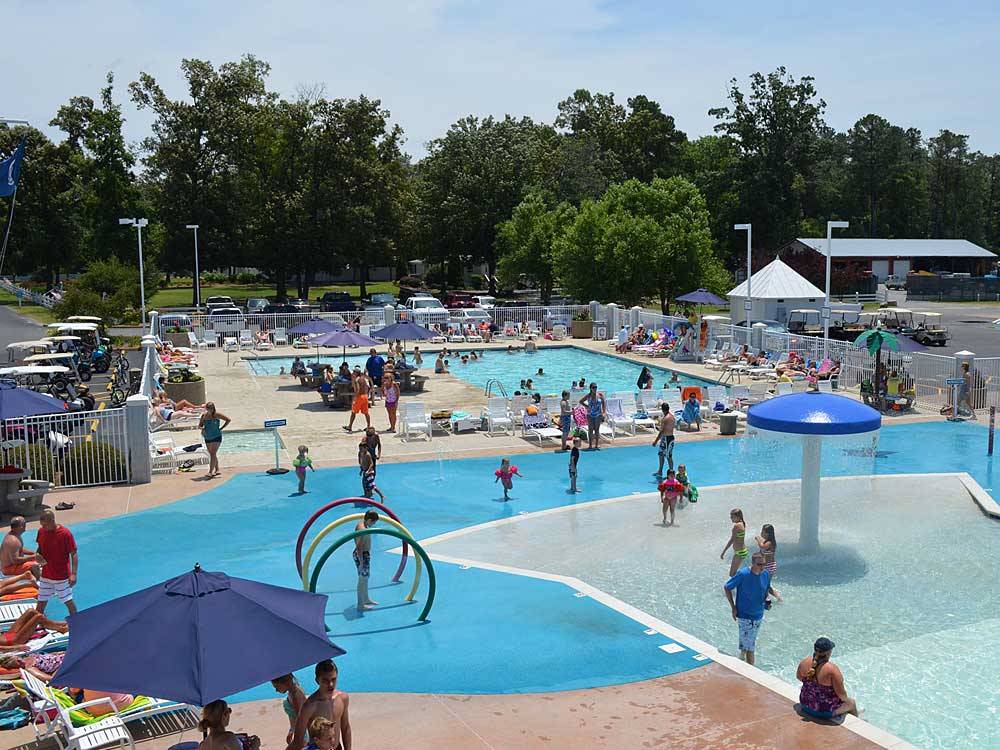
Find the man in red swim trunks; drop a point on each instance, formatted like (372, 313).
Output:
(14, 557)
(359, 405)
(58, 550)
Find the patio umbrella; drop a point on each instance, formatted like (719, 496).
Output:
(701, 297)
(315, 326)
(343, 339)
(24, 402)
(876, 339)
(405, 331)
(196, 638)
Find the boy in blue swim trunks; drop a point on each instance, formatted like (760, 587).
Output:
(363, 559)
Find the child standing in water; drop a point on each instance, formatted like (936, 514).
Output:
(301, 463)
(690, 494)
(670, 490)
(505, 475)
(574, 459)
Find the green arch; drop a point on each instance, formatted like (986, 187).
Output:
(432, 584)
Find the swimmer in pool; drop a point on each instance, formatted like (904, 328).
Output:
(736, 541)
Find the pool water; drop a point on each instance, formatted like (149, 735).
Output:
(493, 632)
(561, 365)
(248, 441)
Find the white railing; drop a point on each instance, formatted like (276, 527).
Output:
(929, 373)
(22, 293)
(76, 449)
(985, 382)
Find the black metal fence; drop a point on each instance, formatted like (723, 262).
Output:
(953, 288)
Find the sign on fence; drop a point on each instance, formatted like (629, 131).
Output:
(270, 424)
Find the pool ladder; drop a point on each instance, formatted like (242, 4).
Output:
(499, 386)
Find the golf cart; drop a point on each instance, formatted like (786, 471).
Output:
(928, 329)
(805, 322)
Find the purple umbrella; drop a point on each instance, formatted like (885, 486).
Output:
(315, 325)
(406, 330)
(24, 402)
(198, 637)
(701, 297)
(343, 339)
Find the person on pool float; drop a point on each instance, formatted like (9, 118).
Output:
(823, 695)
(736, 541)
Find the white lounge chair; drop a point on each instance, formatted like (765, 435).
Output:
(616, 417)
(193, 340)
(630, 408)
(517, 406)
(280, 337)
(718, 359)
(262, 344)
(108, 732)
(246, 340)
(302, 342)
(456, 338)
(540, 426)
(497, 415)
(473, 338)
(783, 389)
(558, 332)
(10, 611)
(825, 386)
(414, 419)
(229, 344)
(647, 401)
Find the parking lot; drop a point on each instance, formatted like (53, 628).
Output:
(969, 323)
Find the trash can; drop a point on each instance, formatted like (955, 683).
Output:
(727, 424)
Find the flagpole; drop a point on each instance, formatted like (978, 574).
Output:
(6, 234)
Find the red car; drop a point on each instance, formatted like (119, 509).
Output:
(458, 301)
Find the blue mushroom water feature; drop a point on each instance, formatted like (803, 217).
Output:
(814, 416)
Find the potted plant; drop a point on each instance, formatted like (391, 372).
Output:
(582, 327)
(185, 384)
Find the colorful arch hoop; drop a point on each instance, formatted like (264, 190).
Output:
(348, 519)
(345, 501)
(431, 581)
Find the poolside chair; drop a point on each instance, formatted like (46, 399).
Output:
(497, 415)
(718, 359)
(165, 444)
(455, 337)
(646, 401)
(632, 413)
(558, 332)
(109, 731)
(783, 389)
(262, 345)
(414, 419)
(193, 340)
(177, 421)
(825, 386)
(246, 339)
(10, 611)
(301, 342)
(280, 337)
(517, 406)
(540, 426)
(439, 339)
(474, 338)
(616, 418)
(229, 344)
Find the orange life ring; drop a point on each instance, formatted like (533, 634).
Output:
(688, 390)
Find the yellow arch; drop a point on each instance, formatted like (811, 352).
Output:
(357, 517)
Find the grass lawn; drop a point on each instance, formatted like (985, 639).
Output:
(180, 296)
(40, 314)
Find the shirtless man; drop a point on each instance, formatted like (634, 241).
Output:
(363, 559)
(327, 702)
(665, 439)
(14, 558)
(359, 405)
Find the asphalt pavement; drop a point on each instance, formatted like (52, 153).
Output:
(969, 323)
(14, 327)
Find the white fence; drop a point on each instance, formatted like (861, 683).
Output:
(219, 325)
(26, 294)
(76, 449)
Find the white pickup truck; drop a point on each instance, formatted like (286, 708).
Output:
(425, 311)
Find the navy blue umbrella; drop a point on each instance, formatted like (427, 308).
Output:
(701, 297)
(195, 638)
(343, 339)
(405, 331)
(24, 402)
(315, 325)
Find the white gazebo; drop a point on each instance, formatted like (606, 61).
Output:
(777, 290)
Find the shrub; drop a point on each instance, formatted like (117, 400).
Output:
(36, 458)
(414, 282)
(248, 278)
(88, 463)
(213, 277)
(583, 314)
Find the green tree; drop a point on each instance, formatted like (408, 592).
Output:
(639, 241)
(527, 241)
(775, 127)
(956, 188)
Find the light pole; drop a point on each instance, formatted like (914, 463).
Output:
(139, 224)
(830, 226)
(197, 275)
(748, 302)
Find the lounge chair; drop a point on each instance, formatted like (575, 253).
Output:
(456, 338)
(646, 401)
(630, 412)
(10, 611)
(825, 386)
(714, 394)
(246, 339)
(229, 344)
(414, 419)
(558, 332)
(497, 415)
(517, 406)
(302, 342)
(783, 389)
(439, 339)
(540, 426)
(262, 344)
(164, 445)
(177, 421)
(720, 358)
(473, 338)
(280, 337)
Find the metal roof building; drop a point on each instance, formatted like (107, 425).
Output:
(776, 290)
(899, 257)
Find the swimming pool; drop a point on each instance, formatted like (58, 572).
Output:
(561, 366)
(493, 632)
(248, 441)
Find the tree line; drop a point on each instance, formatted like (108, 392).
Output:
(610, 200)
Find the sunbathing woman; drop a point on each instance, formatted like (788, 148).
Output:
(12, 584)
(24, 627)
(736, 541)
(42, 666)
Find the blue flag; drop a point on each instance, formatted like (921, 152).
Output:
(10, 170)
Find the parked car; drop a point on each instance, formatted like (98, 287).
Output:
(380, 300)
(336, 302)
(484, 301)
(175, 320)
(425, 310)
(226, 314)
(895, 282)
(256, 304)
(474, 315)
(276, 307)
(300, 305)
(556, 317)
(218, 301)
(458, 300)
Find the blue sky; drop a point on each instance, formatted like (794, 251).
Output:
(922, 64)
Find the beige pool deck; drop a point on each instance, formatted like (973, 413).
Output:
(714, 706)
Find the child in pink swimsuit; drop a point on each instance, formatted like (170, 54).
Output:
(504, 475)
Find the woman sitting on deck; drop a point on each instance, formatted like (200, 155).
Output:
(823, 695)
